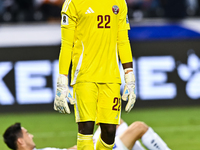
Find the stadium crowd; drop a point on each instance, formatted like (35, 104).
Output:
(49, 10)
(31, 10)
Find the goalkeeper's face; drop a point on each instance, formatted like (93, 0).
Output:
(27, 139)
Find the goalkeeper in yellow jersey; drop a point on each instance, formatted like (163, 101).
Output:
(94, 35)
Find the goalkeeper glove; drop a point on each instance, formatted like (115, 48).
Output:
(129, 89)
(63, 92)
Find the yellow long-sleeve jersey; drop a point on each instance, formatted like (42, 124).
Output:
(91, 30)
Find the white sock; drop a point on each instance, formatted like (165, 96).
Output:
(137, 146)
(153, 141)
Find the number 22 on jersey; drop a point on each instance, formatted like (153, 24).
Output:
(103, 21)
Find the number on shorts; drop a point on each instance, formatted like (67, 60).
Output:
(116, 101)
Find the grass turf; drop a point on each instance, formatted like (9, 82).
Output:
(179, 127)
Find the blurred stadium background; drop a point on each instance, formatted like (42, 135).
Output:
(165, 40)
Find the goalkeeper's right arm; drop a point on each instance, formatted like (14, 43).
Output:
(67, 39)
(63, 92)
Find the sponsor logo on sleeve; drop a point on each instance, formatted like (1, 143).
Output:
(65, 20)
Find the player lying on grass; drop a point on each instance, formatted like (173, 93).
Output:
(17, 138)
(127, 137)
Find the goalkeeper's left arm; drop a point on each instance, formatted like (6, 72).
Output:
(125, 55)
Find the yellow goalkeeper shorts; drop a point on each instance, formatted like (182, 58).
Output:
(99, 102)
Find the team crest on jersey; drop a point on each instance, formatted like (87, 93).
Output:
(115, 9)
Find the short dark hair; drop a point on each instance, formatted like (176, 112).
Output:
(11, 135)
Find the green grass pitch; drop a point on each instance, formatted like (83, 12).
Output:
(179, 127)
